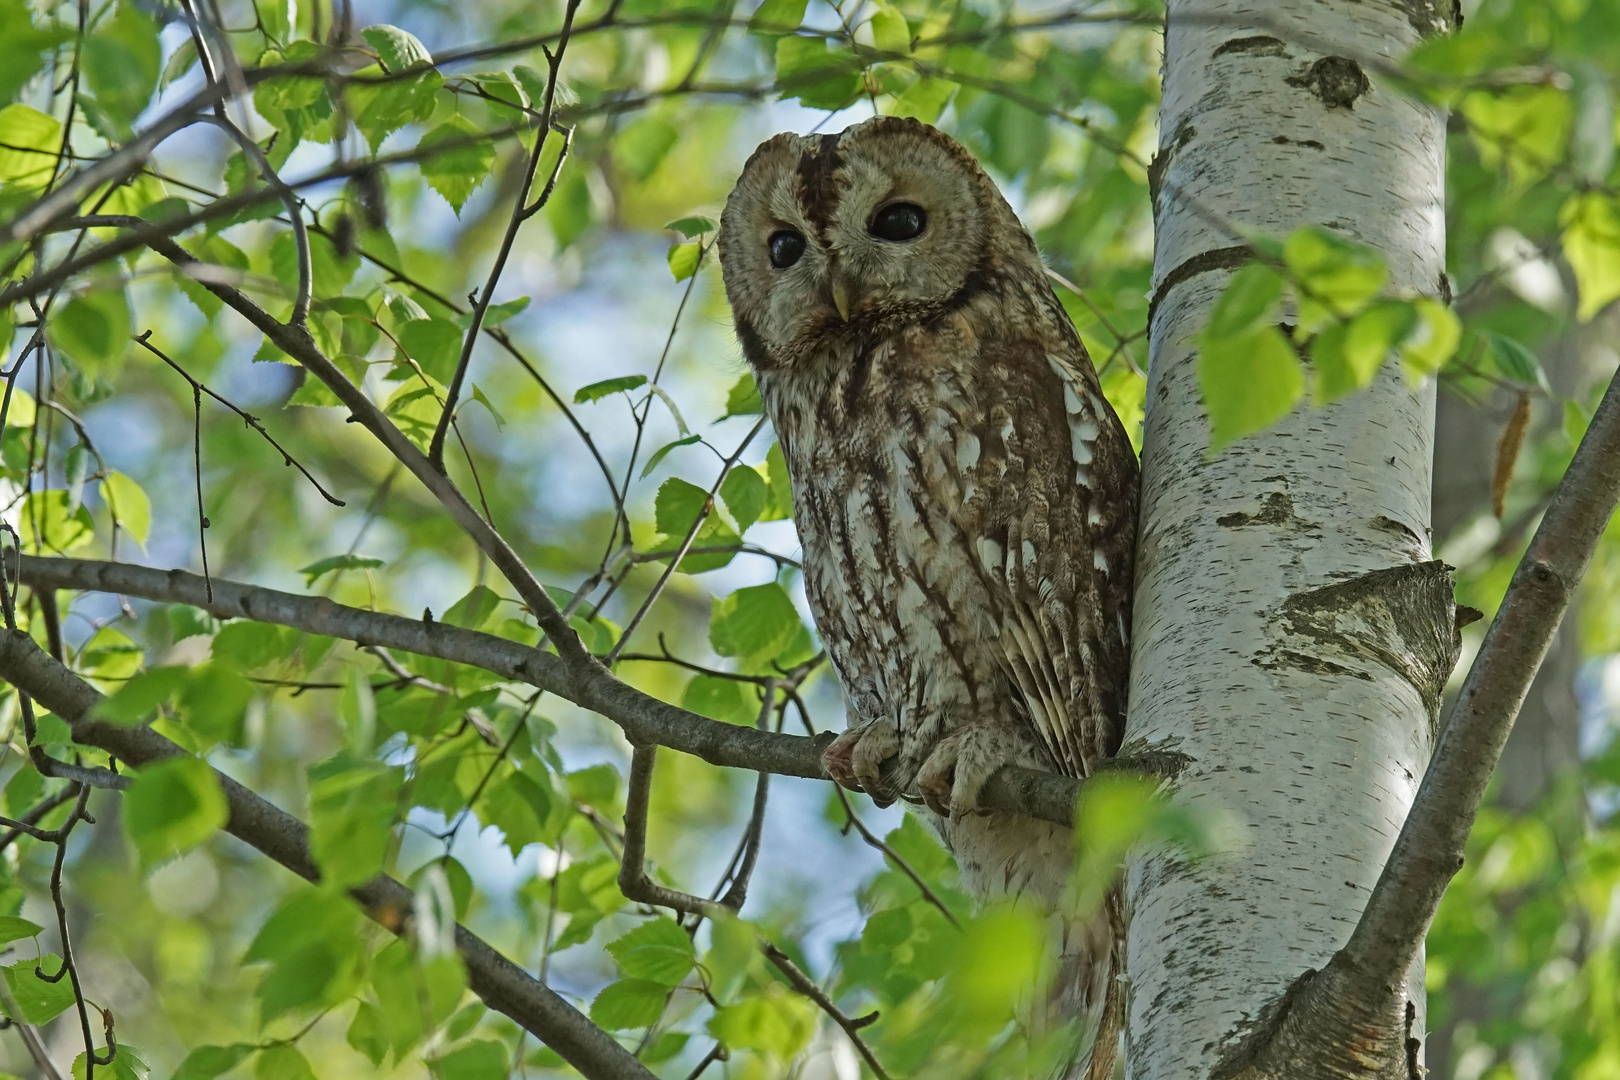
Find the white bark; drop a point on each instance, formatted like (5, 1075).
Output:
(1309, 722)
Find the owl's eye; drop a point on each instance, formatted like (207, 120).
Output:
(901, 221)
(786, 247)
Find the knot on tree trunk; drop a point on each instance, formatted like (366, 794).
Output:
(1404, 619)
(1333, 1024)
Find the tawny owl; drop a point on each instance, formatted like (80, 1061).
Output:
(965, 496)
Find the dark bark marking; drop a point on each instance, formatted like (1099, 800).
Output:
(1260, 44)
(1227, 258)
(1403, 618)
(1276, 508)
(1336, 80)
(1283, 140)
(1184, 134)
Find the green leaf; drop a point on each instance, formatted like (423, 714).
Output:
(173, 805)
(319, 569)
(525, 810)
(21, 47)
(31, 140)
(1525, 127)
(499, 313)
(250, 645)
(890, 33)
(330, 272)
(780, 505)
(925, 99)
(663, 451)
(683, 260)
(775, 1022)
(478, 396)
(1249, 302)
(1591, 222)
(743, 400)
(368, 1032)
(214, 703)
(14, 928)
(46, 526)
(658, 950)
(383, 108)
(719, 699)
(1348, 355)
(433, 343)
(207, 1062)
(1433, 338)
(398, 50)
(126, 1065)
(314, 944)
(812, 71)
(629, 1003)
(778, 17)
(693, 227)
(456, 173)
(357, 706)
(1516, 361)
(182, 60)
(994, 964)
(676, 507)
(473, 611)
(37, 1002)
(282, 1062)
(480, 1059)
(1248, 383)
(352, 808)
(93, 329)
(1334, 278)
(129, 504)
(745, 494)
(571, 207)
(598, 390)
(641, 147)
(138, 697)
(121, 64)
(758, 620)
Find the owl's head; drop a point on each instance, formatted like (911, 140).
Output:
(832, 235)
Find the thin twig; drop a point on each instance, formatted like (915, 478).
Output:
(521, 212)
(807, 986)
(197, 386)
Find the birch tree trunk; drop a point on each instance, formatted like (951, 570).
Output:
(1292, 635)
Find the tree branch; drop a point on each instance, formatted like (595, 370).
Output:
(1355, 1006)
(644, 719)
(502, 985)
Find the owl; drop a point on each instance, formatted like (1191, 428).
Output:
(965, 495)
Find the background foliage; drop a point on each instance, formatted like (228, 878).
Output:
(607, 427)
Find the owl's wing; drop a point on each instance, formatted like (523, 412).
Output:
(1053, 513)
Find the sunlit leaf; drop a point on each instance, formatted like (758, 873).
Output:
(658, 950)
(629, 1003)
(598, 390)
(29, 141)
(173, 805)
(754, 621)
(1248, 383)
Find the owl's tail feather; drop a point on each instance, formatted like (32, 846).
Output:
(1099, 1062)
(1102, 993)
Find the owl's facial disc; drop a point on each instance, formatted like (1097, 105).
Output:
(828, 236)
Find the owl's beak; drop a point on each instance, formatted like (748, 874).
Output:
(841, 294)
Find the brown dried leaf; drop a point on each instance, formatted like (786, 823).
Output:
(1507, 453)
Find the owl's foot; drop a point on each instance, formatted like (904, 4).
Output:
(955, 771)
(855, 759)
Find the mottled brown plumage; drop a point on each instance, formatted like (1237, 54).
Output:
(965, 496)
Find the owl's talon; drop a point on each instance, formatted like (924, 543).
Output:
(956, 770)
(855, 759)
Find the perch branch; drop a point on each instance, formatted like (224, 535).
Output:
(644, 719)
